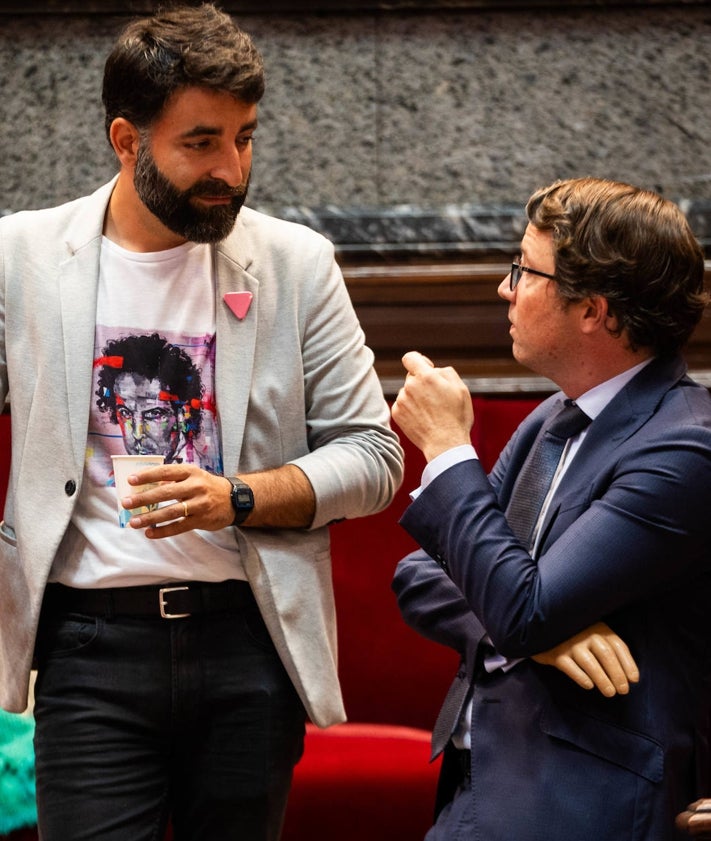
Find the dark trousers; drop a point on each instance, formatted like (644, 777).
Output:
(139, 720)
(454, 805)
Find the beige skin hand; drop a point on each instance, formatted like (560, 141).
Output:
(434, 407)
(283, 498)
(594, 658)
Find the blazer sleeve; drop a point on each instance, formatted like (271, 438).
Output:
(432, 604)
(624, 530)
(355, 462)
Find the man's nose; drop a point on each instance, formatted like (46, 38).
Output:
(505, 290)
(229, 169)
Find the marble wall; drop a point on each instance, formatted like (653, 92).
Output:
(419, 131)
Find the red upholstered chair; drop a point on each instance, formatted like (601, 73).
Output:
(363, 781)
(371, 778)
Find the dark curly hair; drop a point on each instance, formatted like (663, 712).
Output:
(631, 246)
(186, 46)
(154, 358)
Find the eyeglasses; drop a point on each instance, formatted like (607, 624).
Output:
(517, 271)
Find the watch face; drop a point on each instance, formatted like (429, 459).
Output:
(243, 498)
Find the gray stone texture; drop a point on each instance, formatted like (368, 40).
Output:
(449, 118)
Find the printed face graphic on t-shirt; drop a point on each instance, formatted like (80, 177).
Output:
(152, 390)
(150, 423)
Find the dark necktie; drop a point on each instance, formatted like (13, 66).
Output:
(523, 511)
(538, 470)
(449, 713)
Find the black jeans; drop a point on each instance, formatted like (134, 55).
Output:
(139, 720)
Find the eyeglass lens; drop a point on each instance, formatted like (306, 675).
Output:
(515, 276)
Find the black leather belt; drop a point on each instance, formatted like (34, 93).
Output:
(171, 601)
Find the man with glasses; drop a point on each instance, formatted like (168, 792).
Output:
(517, 577)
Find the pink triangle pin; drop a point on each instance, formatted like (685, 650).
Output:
(238, 302)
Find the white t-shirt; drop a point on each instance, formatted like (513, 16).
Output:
(153, 392)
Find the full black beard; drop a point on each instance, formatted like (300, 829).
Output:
(173, 206)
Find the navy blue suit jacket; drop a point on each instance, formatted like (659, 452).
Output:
(627, 540)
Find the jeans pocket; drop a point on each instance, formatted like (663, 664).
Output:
(66, 635)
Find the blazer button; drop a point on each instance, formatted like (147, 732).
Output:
(70, 488)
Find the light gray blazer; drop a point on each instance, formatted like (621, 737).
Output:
(294, 383)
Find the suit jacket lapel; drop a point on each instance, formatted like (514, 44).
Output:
(236, 342)
(620, 419)
(78, 286)
(625, 413)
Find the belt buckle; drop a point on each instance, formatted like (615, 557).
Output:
(162, 604)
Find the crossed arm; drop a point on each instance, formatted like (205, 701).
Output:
(432, 605)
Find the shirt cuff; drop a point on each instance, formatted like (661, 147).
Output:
(443, 462)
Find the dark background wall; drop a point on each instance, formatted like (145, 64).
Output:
(416, 121)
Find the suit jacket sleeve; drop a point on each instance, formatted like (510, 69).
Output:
(432, 604)
(355, 463)
(627, 521)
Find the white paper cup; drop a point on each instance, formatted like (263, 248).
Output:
(125, 466)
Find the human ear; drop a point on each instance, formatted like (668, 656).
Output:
(125, 139)
(595, 315)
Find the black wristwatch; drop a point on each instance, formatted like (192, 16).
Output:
(242, 500)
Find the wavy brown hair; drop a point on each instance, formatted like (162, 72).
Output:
(633, 247)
